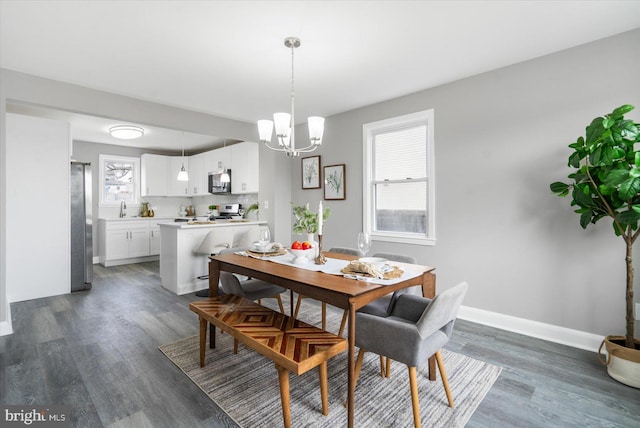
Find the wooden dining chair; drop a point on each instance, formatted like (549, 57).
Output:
(415, 329)
(341, 250)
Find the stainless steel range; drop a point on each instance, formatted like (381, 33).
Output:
(229, 211)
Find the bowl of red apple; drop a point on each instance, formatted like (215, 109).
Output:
(303, 251)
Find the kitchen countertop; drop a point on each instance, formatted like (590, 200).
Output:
(215, 223)
(137, 218)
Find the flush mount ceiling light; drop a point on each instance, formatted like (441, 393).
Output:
(285, 122)
(126, 132)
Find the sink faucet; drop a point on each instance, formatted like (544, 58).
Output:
(123, 209)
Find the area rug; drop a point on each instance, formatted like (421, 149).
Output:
(245, 385)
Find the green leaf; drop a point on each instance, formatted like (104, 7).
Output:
(616, 177)
(608, 122)
(629, 188)
(574, 160)
(559, 187)
(629, 218)
(594, 130)
(621, 111)
(585, 219)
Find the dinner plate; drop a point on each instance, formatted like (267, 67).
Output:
(263, 251)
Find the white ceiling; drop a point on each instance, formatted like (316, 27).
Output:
(227, 58)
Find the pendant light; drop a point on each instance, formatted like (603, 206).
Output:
(224, 178)
(285, 122)
(183, 175)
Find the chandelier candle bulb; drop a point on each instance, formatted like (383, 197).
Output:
(320, 218)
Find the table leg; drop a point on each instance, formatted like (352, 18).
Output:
(429, 290)
(203, 339)
(351, 365)
(214, 279)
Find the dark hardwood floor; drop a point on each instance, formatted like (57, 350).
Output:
(96, 352)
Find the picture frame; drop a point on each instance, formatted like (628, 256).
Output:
(311, 172)
(335, 182)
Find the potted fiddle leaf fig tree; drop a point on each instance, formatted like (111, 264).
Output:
(606, 184)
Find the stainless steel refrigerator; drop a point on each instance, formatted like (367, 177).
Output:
(81, 227)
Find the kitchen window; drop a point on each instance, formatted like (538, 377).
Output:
(119, 180)
(398, 194)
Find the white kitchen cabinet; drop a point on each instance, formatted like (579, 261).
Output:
(123, 241)
(245, 167)
(221, 159)
(154, 236)
(198, 179)
(153, 175)
(177, 188)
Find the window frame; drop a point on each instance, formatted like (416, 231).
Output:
(102, 159)
(369, 130)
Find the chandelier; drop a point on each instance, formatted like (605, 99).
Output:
(285, 122)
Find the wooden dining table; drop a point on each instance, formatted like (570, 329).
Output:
(348, 294)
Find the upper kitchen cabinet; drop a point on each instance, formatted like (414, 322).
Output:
(245, 166)
(177, 188)
(153, 170)
(220, 159)
(198, 175)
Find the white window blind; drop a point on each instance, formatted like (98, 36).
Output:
(398, 184)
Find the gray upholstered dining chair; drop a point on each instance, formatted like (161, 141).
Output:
(252, 289)
(415, 329)
(341, 250)
(382, 306)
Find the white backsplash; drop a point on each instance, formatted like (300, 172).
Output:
(169, 207)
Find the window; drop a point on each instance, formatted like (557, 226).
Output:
(119, 180)
(398, 194)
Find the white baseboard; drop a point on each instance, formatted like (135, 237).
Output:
(552, 333)
(5, 326)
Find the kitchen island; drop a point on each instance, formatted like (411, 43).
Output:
(181, 264)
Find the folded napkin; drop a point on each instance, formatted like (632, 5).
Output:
(365, 269)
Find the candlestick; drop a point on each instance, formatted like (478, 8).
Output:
(320, 219)
(320, 259)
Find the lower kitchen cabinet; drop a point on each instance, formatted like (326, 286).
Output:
(128, 241)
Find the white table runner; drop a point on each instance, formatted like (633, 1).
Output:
(333, 267)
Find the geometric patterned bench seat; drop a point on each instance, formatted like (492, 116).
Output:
(294, 346)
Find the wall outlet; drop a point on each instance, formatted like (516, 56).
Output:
(266, 204)
(638, 311)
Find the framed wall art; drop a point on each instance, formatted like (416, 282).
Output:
(334, 182)
(311, 172)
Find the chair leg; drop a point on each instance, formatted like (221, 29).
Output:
(324, 388)
(388, 370)
(445, 381)
(383, 370)
(295, 312)
(415, 402)
(280, 303)
(235, 345)
(343, 323)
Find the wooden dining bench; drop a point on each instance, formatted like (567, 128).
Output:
(291, 344)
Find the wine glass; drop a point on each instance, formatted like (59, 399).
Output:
(364, 242)
(264, 238)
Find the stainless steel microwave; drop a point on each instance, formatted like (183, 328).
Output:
(220, 182)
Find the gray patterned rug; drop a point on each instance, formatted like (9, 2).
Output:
(245, 385)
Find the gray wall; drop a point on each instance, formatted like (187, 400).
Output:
(500, 139)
